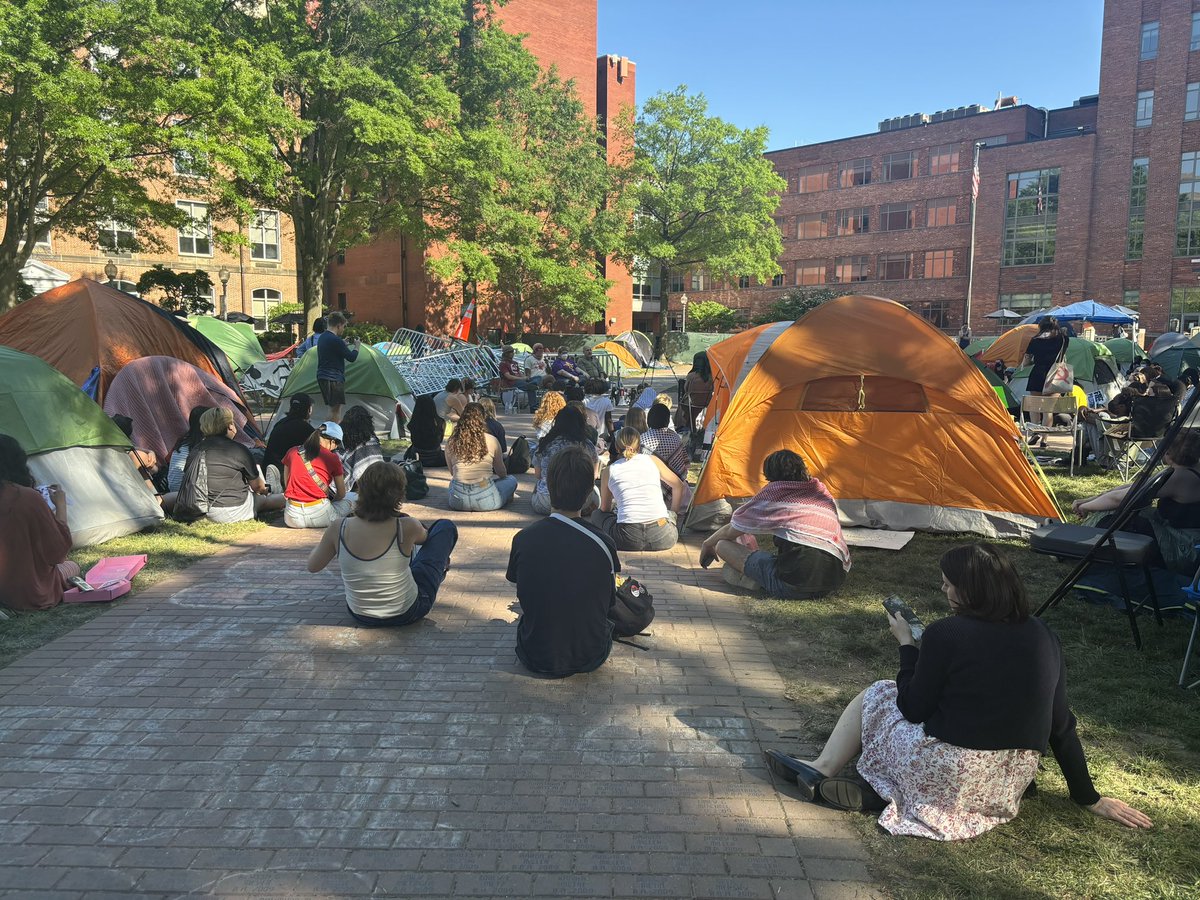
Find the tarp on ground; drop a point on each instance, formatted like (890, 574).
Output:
(70, 441)
(85, 324)
(898, 423)
(237, 339)
(158, 393)
(371, 381)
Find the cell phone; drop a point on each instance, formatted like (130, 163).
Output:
(895, 606)
(80, 583)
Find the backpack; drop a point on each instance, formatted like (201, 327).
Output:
(519, 459)
(191, 503)
(418, 484)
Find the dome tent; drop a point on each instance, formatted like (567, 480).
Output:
(70, 441)
(237, 340)
(900, 425)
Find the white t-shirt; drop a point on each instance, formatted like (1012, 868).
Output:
(636, 490)
(599, 404)
(537, 368)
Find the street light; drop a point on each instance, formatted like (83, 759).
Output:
(110, 271)
(683, 301)
(223, 275)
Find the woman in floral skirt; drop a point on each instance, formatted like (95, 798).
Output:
(950, 746)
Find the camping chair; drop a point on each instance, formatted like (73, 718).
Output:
(1149, 419)
(1052, 406)
(1192, 592)
(1107, 545)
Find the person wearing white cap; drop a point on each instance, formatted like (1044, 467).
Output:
(315, 480)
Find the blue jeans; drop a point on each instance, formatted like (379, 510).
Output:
(473, 498)
(428, 571)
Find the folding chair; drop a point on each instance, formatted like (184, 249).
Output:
(1106, 545)
(1192, 592)
(1052, 406)
(1132, 438)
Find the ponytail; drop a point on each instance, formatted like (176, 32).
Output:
(628, 442)
(312, 445)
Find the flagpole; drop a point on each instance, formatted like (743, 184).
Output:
(971, 253)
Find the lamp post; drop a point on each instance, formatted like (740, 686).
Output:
(110, 271)
(223, 275)
(683, 302)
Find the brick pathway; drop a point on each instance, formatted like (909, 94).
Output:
(231, 733)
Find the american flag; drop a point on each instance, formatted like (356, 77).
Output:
(975, 179)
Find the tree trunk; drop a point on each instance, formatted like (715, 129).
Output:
(10, 283)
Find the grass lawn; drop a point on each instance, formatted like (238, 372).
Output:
(169, 547)
(1140, 732)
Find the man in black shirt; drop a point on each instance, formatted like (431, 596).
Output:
(563, 569)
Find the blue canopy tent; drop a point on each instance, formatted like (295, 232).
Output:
(1036, 316)
(1091, 311)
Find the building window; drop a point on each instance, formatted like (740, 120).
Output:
(935, 312)
(943, 160)
(647, 281)
(186, 165)
(899, 166)
(812, 179)
(854, 221)
(264, 235)
(341, 257)
(1187, 228)
(1132, 300)
(195, 238)
(676, 282)
(697, 281)
(743, 282)
(810, 271)
(262, 301)
(894, 266)
(777, 280)
(851, 268)
(943, 211)
(41, 214)
(1191, 109)
(1149, 40)
(116, 237)
(939, 264)
(1145, 109)
(341, 301)
(1196, 31)
(996, 140)
(1024, 303)
(854, 173)
(1185, 306)
(810, 225)
(127, 287)
(1137, 207)
(895, 216)
(1031, 217)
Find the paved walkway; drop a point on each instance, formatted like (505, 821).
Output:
(230, 732)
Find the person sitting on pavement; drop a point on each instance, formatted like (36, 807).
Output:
(332, 355)
(34, 537)
(360, 445)
(315, 480)
(386, 581)
(599, 400)
(632, 482)
(565, 372)
(290, 431)
(427, 430)
(236, 488)
(495, 429)
(659, 439)
(593, 433)
(451, 400)
(479, 482)
(563, 632)
(636, 419)
(569, 429)
(513, 378)
(179, 453)
(543, 417)
(799, 513)
(949, 747)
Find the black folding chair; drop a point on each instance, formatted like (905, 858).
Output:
(1192, 592)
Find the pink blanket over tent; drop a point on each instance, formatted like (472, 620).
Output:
(158, 393)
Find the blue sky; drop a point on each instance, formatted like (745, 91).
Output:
(813, 71)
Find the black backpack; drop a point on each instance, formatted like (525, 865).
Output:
(191, 503)
(519, 459)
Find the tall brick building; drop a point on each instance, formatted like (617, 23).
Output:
(1098, 200)
(386, 280)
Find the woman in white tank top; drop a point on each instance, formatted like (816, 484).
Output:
(633, 483)
(386, 581)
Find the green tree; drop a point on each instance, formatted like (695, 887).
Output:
(796, 302)
(185, 293)
(708, 315)
(100, 98)
(704, 193)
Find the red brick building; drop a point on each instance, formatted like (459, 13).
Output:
(386, 281)
(1099, 200)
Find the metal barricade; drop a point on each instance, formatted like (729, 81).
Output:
(428, 361)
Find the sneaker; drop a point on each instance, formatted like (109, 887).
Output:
(274, 479)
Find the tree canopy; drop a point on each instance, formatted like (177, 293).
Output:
(796, 302)
(185, 293)
(708, 315)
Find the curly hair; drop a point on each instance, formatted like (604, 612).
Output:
(469, 441)
(357, 427)
(785, 465)
(14, 464)
(552, 403)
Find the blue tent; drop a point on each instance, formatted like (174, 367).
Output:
(1091, 311)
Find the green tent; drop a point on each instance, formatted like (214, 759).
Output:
(44, 410)
(1125, 351)
(978, 345)
(998, 385)
(1082, 356)
(371, 374)
(237, 339)
(1177, 357)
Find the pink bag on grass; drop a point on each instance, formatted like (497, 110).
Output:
(110, 578)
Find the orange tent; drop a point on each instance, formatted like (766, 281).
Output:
(620, 352)
(1010, 346)
(731, 361)
(901, 427)
(84, 324)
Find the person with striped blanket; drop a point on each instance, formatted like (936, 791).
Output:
(800, 514)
